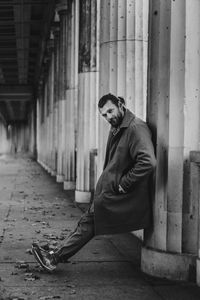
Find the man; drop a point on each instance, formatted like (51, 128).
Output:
(122, 197)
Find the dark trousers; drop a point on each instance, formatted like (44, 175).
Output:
(83, 233)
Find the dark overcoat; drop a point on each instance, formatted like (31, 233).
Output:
(129, 162)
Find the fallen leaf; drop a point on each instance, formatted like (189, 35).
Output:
(21, 265)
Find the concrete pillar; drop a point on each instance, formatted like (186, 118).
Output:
(51, 106)
(40, 120)
(38, 130)
(123, 58)
(191, 121)
(173, 104)
(46, 117)
(45, 125)
(61, 10)
(50, 100)
(71, 90)
(53, 47)
(55, 61)
(87, 96)
(32, 129)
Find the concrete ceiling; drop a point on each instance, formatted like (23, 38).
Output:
(24, 30)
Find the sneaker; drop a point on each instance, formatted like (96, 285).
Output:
(46, 259)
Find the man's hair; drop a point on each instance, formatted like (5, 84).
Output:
(115, 100)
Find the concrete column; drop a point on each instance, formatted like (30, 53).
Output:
(55, 61)
(71, 90)
(51, 106)
(46, 117)
(191, 121)
(50, 100)
(40, 125)
(87, 96)
(46, 149)
(123, 58)
(38, 130)
(61, 10)
(173, 102)
(32, 129)
(45, 123)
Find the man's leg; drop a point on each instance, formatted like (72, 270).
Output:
(83, 233)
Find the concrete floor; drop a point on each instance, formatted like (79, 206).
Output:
(34, 207)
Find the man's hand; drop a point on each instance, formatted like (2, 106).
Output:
(121, 190)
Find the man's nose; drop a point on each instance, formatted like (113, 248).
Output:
(109, 117)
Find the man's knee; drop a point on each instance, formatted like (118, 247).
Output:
(86, 225)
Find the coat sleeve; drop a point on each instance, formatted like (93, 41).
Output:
(142, 154)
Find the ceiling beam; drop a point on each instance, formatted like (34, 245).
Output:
(19, 98)
(15, 89)
(15, 93)
(5, 38)
(11, 50)
(22, 14)
(35, 2)
(11, 23)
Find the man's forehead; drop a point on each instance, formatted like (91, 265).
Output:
(108, 105)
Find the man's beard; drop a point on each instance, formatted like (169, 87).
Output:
(116, 121)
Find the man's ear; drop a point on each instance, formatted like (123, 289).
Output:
(120, 104)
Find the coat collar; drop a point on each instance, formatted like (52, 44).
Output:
(128, 117)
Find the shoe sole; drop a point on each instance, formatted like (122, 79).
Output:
(35, 250)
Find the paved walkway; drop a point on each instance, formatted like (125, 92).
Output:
(34, 207)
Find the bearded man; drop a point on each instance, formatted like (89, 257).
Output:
(122, 197)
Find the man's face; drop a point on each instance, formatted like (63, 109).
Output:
(112, 113)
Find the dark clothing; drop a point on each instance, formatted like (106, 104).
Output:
(83, 233)
(129, 161)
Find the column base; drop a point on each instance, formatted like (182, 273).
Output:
(44, 165)
(172, 266)
(53, 173)
(82, 197)
(59, 178)
(48, 169)
(139, 234)
(69, 185)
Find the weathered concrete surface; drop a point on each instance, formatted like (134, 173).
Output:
(34, 207)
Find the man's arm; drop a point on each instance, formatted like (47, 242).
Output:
(142, 153)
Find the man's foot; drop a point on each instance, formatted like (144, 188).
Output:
(46, 259)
